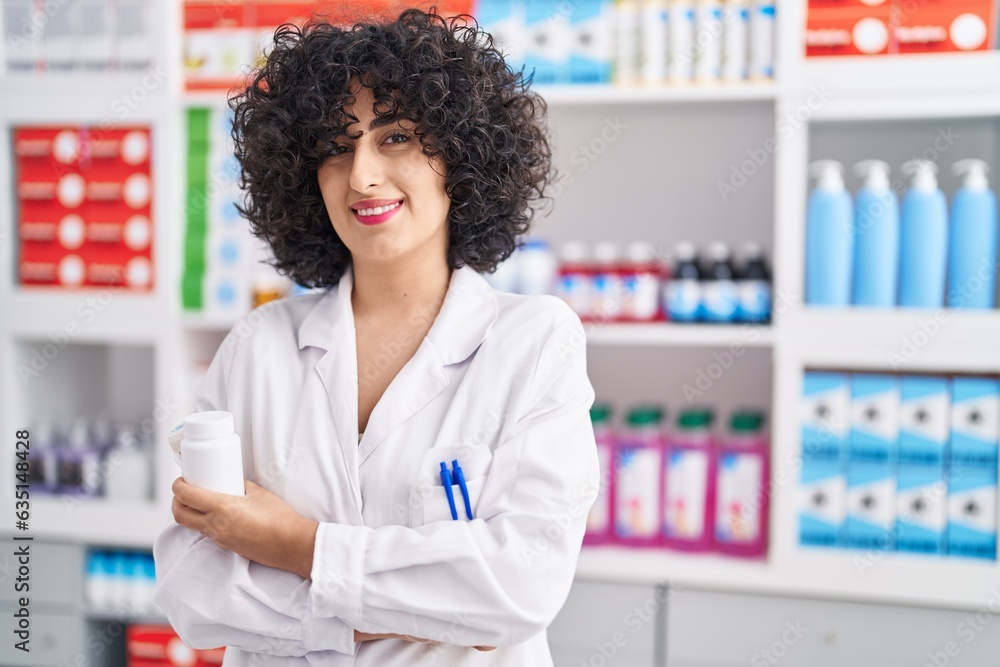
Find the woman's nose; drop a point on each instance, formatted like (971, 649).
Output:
(367, 168)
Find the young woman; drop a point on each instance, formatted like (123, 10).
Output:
(391, 162)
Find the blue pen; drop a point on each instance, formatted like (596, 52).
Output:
(460, 478)
(446, 483)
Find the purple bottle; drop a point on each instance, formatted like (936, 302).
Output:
(689, 481)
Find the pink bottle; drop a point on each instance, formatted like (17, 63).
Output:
(689, 483)
(599, 521)
(742, 492)
(638, 478)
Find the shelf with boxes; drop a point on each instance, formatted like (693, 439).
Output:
(904, 463)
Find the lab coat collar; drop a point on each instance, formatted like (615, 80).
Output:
(462, 324)
(466, 316)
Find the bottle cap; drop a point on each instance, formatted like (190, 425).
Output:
(573, 251)
(924, 174)
(685, 251)
(210, 424)
(600, 413)
(718, 252)
(605, 252)
(751, 252)
(975, 173)
(830, 174)
(644, 416)
(78, 437)
(875, 173)
(640, 252)
(535, 244)
(175, 436)
(747, 421)
(695, 419)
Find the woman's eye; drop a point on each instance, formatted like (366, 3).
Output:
(402, 138)
(337, 149)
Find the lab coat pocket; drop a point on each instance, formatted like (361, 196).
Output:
(430, 503)
(428, 499)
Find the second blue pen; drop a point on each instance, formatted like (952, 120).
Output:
(446, 483)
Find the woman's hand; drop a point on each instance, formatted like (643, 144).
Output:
(259, 526)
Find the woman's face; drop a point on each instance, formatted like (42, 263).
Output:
(384, 168)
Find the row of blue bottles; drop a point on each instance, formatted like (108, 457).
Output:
(872, 253)
(118, 581)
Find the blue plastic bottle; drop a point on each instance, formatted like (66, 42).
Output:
(876, 237)
(829, 242)
(923, 238)
(972, 244)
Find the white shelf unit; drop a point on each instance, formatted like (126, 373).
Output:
(679, 143)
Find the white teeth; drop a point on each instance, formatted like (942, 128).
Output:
(378, 210)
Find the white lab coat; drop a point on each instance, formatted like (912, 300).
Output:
(498, 383)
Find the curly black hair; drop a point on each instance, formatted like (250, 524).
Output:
(444, 75)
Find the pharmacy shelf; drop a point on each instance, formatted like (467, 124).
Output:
(604, 94)
(680, 335)
(889, 578)
(893, 77)
(150, 617)
(97, 521)
(113, 315)
(897, 340)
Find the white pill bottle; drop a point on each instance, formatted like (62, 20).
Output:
(211, 456)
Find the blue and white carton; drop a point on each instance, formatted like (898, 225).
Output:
(824, 415)
(822, 502)
(921, 509)
(874, 418)
(871, 505)
(591, 28)
(975, 422)
(972, 512)
(924, 420)
(548, 40)
(505, 21)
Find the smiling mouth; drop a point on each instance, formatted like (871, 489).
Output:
(377, 210)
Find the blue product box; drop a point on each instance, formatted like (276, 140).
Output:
(504, 20)
(921, 509)
(822, 503)
(874, 418)
(591, 29)
(972, 512)
(871, 505)
(924, 420)
(975, 422)
(825, 415)
(548, 41)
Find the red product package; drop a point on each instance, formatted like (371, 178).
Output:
(159, 645)
(862, 4)
(851, 30)
(936, 26)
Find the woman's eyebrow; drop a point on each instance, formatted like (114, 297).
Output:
(383, 121)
